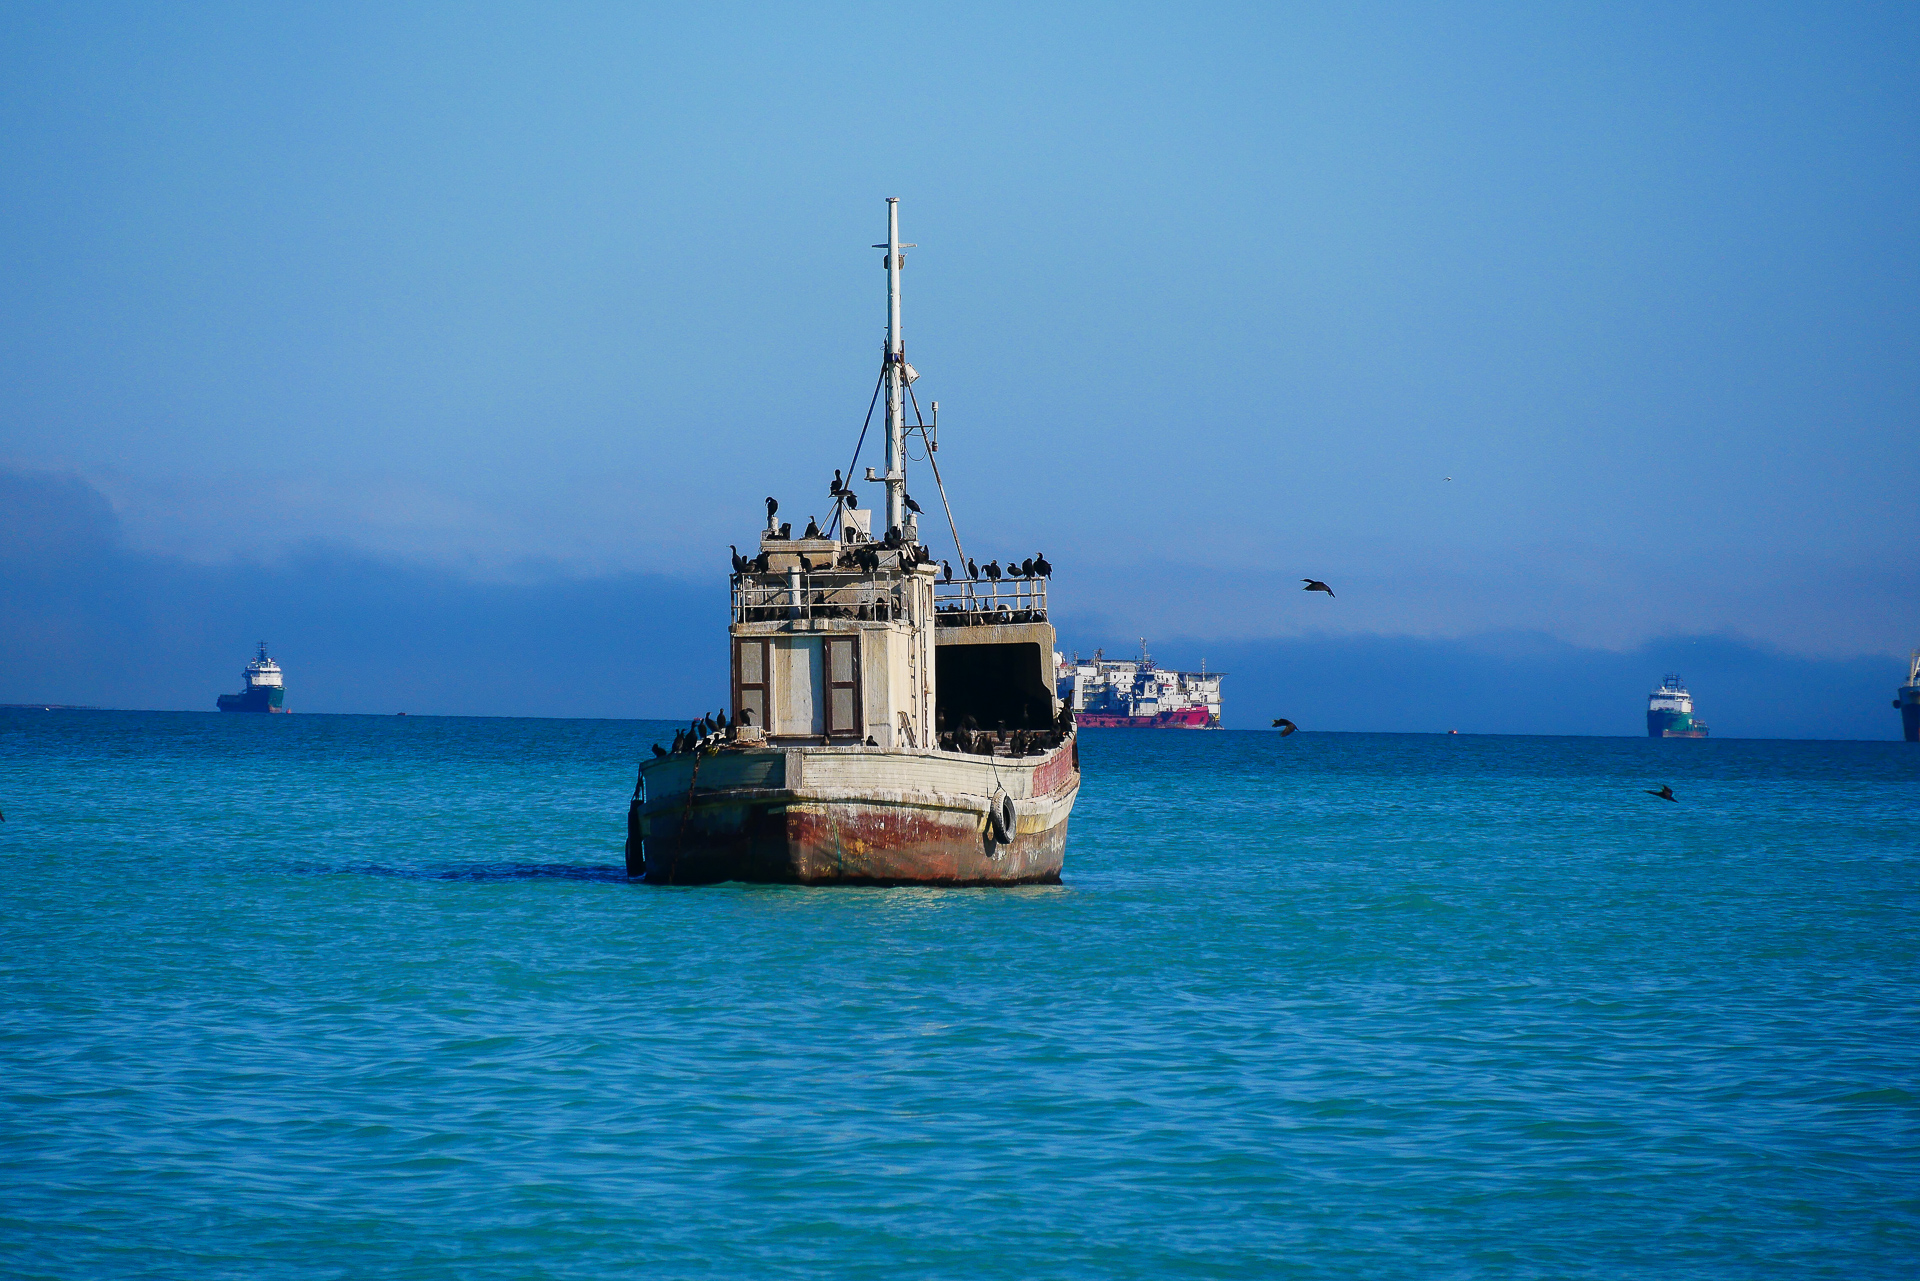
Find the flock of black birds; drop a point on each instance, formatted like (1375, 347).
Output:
(970, 739)
(1034, 566)
(706, 733)
(961, 616)
(867, 556)
(709, 733)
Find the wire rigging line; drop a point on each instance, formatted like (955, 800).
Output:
(938, 483)
(841, 500)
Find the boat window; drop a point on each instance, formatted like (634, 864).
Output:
(799, 687)
(994, 684)
(750, 682)
(843, 685)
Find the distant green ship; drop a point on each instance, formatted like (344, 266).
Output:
(1670, 712)
(263, 691)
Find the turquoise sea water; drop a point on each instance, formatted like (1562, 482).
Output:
(318, 996)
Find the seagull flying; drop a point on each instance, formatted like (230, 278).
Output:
(1315, 585)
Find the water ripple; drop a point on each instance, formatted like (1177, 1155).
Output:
(339, 997)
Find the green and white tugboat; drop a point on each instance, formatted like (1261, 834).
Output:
(263, 689)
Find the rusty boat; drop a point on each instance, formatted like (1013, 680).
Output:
(890, 722)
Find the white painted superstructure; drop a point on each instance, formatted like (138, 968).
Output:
(262, 672)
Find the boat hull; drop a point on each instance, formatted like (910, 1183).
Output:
(1663, 724)
(1185, 718)
(821, 816)
(260, 698)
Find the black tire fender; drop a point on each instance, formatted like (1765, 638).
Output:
(1000, 819)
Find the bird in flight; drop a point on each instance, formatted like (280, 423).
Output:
(1285, 726)
(1446, 478)
(1315, 585)
(1665, 793)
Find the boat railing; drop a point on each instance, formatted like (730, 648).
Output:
(831, 594)
(975, 603)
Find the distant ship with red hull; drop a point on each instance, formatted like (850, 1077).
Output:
(1133, 693)
(1185, 718)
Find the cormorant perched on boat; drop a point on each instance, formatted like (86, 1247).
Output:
(813, 528)
(836, 488)
(1040, 565)
(947, 570)
(1026, 568)
(1665, 793)
(740, 562)
(973, 570)
(786, 529)
(1285, 726)
(1013, 569)
(993, 570)
(659, 750)
(707, 724)
(911, 505)
(759, 563)
(1315, 585)
(679, 742)
(773, 505)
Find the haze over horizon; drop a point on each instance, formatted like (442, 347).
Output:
(488, 301)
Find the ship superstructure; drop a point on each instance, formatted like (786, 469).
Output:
(1138, 694)
(262, 688)
(1670, 711)
(1907, 699)
(890, 724)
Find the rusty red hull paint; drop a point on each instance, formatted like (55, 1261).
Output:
(781, 840)
(1186, 718)
(742, 816)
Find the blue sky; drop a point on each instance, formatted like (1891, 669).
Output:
(1212, 297)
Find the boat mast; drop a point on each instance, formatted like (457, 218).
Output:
(896, 476)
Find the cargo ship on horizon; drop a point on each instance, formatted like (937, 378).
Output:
(262, 689)
(1670, 711)
(1134, 694)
